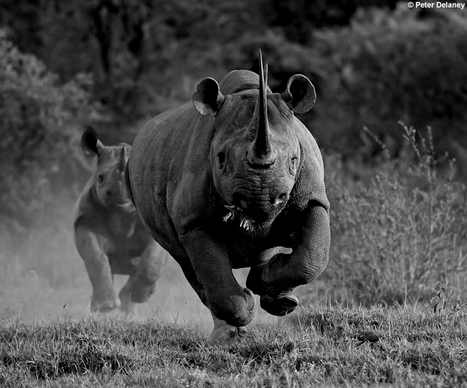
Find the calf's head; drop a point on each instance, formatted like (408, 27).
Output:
(109, 176)
(255, 152)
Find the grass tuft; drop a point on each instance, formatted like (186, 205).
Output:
(318, 345)
(49, 352)
(401, 232)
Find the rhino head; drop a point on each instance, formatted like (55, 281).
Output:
(109, 179)
(255, 152)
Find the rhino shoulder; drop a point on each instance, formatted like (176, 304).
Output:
(168, 166)
(310, 185)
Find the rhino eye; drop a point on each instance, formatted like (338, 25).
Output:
(100, 179)
(221, 159)
(293, 164)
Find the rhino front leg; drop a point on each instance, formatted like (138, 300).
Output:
(275, 279)
(227, 300)
(104, 298)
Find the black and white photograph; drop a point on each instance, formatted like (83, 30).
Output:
(233, 193)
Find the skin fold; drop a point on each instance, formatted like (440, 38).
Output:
(233, 179)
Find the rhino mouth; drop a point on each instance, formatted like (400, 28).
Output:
(119, 203)
(123, 204)
(236, 213)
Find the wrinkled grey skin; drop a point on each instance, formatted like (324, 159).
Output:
(236, 181)
(109, 234)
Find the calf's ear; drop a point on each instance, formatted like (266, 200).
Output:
(300, 94)
(90, 143)
(208, 99)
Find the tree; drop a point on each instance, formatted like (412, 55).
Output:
(40, 123)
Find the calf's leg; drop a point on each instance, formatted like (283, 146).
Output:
(104, 298)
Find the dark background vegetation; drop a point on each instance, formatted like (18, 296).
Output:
(114, 64)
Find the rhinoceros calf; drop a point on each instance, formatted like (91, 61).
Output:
(236, 181)
(109, 234)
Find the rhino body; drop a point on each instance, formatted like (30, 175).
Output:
(233, 179)
(109, 235)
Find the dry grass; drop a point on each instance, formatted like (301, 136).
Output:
(319, 346)
(400, 232)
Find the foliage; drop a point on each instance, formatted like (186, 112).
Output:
(372, 66)
(325, 346)
(397, 234)
(39, 122)
(390, 66)
(142, 54)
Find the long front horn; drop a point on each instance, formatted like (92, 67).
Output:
(261, 152)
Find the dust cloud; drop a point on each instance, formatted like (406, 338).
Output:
(44, 279)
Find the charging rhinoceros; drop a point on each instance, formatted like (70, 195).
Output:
(236, 181)
(109, 234)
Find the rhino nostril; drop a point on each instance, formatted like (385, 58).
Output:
(280, 199)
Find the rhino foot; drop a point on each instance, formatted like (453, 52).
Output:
(228, 334)
(279, 306)
(104, 306)
(141, 293)
(224, 333)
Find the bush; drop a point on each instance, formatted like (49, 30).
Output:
(393, 239)
(389, 66)
(41, 122)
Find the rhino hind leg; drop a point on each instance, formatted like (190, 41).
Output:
(128, 307)
(141, 291)
(143, 284)
(138, 289)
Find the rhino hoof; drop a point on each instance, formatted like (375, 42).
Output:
(228, 334)
(142, 294)
(279, 306)
(104, 307)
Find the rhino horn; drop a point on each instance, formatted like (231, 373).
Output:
(261, 153)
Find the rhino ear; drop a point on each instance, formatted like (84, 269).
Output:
(300, 94)
(90, 143)
(208, 99)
